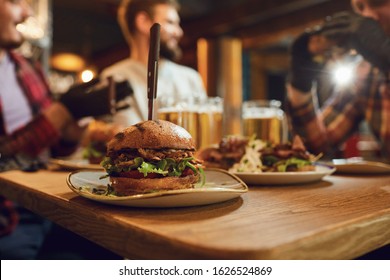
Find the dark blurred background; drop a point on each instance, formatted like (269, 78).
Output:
(264, 28)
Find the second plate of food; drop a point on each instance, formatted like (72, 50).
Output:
(74, 164)
(360, 166)
(286, 178)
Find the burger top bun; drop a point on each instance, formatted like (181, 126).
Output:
(152, 134)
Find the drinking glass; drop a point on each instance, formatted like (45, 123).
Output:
(182, 112)
(265, 119)
(210, 122)
(202, 118)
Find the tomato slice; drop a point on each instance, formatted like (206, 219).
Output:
(186, 172)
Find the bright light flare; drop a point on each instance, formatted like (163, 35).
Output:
(343, 74)
(87, 75)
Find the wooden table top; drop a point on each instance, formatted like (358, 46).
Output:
(340, 217)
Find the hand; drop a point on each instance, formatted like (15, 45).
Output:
(91, 100)
(303, 69)
(363, 34)
(21, 162)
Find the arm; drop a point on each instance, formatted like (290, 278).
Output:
(322, 128)
(42, 132)
(58, 120)
(45, 128)
(363, 34)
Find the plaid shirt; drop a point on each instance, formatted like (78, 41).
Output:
(367, 99)
(39, 134)
(32, 139)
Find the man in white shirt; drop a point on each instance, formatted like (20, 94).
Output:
(175, 82)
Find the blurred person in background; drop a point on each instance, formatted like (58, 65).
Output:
(175, 81)
(362, 38)
(32, 126)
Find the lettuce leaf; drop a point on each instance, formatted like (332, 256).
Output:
(292, 162)
(147, 167)
(166, 167)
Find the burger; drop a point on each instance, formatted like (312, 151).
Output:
(95, 141)
(151, 156)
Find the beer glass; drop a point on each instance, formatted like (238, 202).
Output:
(210, 122)
(202, 118)
(182, 112)
(266, 120)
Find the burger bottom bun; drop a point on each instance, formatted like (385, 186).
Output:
(128, 186)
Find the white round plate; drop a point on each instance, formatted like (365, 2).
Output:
(356, 166)
(286, 178)
(75, 164)
(220, 186)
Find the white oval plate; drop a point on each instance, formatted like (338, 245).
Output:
(360, 166)
(220, 186)
(286, 178)
(75, 164)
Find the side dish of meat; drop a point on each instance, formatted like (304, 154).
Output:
(241, 154)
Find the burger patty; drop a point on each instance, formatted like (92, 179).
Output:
(152, 164)
(130, 186)
(126, 155)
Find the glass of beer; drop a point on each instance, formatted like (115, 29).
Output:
(266, 120)
(210, 122)
(182, 112)
(202, 118)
